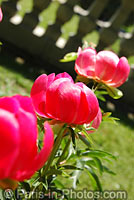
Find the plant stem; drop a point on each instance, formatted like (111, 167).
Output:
(64, 151)
(55, 148)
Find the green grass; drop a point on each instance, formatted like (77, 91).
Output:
(12, 82)
(118, 140)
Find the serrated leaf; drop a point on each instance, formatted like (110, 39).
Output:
(69, 57)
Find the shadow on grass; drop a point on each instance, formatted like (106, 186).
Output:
(119, 110)
(18, 61)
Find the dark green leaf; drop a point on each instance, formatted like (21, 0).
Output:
(107, 170)
(84, 140)
(73, 137)
(94, 178)
(54, 172)
(99, 164)
(70, 167)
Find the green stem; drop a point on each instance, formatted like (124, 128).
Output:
(96, 86)
(64, 151)
(55, 149)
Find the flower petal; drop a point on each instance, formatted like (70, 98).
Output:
(93, 105)
(106, 64)
(41, 157)
(25, 103)
(1, 15)
(66, 98)
(9, 104)
(64, 75)
(28, 139)
(38, 92)
(121, 73)
(85, 63)
(96, 122)
(9, 142)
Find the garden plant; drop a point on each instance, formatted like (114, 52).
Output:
(40, 135)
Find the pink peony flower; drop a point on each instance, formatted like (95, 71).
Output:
(103, 67)
(58, 97)
(96, 122)
(19, 156)
(1, 15)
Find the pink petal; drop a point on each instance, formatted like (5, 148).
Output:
(9, 104)
(38, 92)
(93, 105)
(83, 109)
(106, 64)
(97, 120)
(1, 15)
(121, 73)
(64, 75)
(9, 142)
(25, 103)
(41, 157)
(66, 98)
(28, 139)
(44, 154)
(79, 50)
(85, 63)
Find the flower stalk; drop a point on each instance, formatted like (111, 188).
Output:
(54, 151)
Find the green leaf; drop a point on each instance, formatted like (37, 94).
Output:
(98, 153)
(106, 117)
(82, 129)
(94, 178)
(84, 140)
(70, 167)
(99, 164)
(69, 57)
(54, 171)
(59, 184)
(77, 174)
(99, 94)
(113, 92)
(73, 137)
(107, 170)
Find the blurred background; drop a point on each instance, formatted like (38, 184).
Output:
(36, 34)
